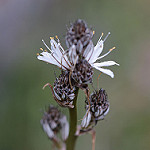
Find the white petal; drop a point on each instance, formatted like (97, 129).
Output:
(57, 53)
(106, 63)
(47, 129)
(65, 128)
(101, 117)
(106, 112)
(88, 52)
(97, 51)
(54, 47)
(106, 71)
(47, 57)
(56, 95)
(86, 120)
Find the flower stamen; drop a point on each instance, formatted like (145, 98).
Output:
(46, 46)
(98, 80)
(101, 37)
(51, 38)
(52, 52)
(106, 37)
(110, 50)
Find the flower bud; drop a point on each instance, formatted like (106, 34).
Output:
(54, 122)
(99, 107)
(82, 73)
(64, 90)
(79, 35)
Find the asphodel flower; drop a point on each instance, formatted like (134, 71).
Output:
(57, 56)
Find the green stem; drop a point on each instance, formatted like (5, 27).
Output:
(70, 144)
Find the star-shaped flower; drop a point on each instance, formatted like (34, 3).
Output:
(57, 56)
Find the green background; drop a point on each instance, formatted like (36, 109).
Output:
(23, 23)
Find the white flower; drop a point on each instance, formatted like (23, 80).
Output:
(94, 55)
(57, 56)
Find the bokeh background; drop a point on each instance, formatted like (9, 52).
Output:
(23, 23)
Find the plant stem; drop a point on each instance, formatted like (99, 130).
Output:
(70, 144)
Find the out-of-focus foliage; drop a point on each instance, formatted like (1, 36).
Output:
(22, 26)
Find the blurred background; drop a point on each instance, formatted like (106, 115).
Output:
(23, 23)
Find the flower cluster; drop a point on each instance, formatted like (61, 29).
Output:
(99, 107)
(54, 122)
(77, 65)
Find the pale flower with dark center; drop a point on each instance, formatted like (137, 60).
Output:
(58, 57)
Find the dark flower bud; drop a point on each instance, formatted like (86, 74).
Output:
(82, 73)
(79, 35)
(54, 122)
(64, 89)
(99, 107)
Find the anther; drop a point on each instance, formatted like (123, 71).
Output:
(51, 38)
(112, 49)
(56, 37)
(93, 32)
(41, 49)
(101, 37)
(37, 54)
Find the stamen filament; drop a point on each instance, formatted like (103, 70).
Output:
(106, 36)
(106, 53)
(46, 46)
(101, 37)
(53, 55)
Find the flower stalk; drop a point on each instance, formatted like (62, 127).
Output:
(70, 144)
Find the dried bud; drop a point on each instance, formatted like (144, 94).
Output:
(64, 90)
(54, 122)
(82, 73)
(99, 107)
(79, 35)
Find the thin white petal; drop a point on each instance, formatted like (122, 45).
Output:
(57, 53)
(47, 129)
(97, 51)
(65, 128)
(55, 47)
(106, 71)
(88, 51)
(106, 112)
(106, 63)
(86, 121)
(47, 57)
